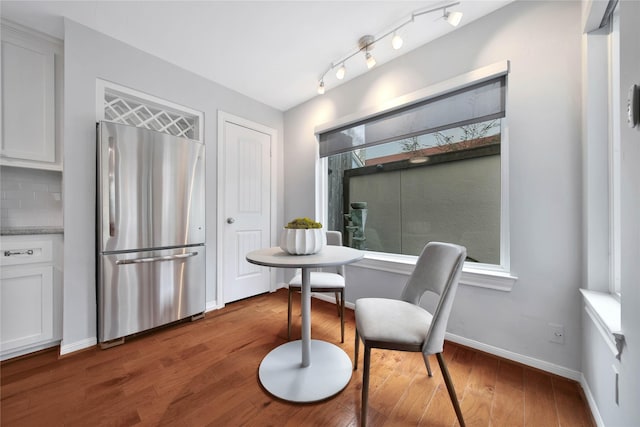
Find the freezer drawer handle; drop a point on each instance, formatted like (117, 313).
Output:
(19, 252)
(155, 259)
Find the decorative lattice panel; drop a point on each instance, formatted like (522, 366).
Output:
(127, 111)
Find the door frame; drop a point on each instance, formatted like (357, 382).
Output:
(224, 117)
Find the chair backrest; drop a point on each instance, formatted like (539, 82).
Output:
(334, 238)
(437, 270)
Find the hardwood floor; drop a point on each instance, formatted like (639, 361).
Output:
(205, 373)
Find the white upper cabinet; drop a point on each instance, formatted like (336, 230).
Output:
(31, 99)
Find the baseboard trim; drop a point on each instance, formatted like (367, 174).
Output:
(496, 351)
(593, 406)
(330, 298)
(77, 346)
(212, 305)
(516, 357)
(26, 351)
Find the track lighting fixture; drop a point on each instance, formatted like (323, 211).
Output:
(396, 41)
(367, 43)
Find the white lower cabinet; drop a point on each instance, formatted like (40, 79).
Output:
(27, 306)
(30, 309)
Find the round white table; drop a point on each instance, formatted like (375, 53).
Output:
(289, 371)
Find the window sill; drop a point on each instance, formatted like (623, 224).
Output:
(604, 310)
(478, 275)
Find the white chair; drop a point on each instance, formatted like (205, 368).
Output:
(323, 281)
(403, 325)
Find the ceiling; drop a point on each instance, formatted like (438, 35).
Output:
(272, 51)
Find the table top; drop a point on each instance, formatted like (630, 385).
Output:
(329, 256)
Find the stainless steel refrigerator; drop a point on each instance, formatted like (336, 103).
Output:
(150, 229)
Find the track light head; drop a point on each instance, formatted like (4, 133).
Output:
(453, 18)
(321, 87)
(371, 61)
(341, 72)
(396, 41)
(366, 45)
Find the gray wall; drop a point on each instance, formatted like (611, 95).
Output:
(543, 42)
(89, 55)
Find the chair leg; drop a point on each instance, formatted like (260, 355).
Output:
(356, 348)
(365, 385)
(427, 364)
(342, 316)
(450, 388)
(338, 301)
(289, 316)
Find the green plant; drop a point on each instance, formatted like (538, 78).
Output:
(303, 223)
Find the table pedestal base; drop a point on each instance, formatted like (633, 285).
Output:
(282, 374)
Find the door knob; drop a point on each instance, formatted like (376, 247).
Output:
(230, 220)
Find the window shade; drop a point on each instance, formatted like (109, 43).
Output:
(473, 104)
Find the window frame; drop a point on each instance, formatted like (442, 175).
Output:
(497, 277)
(614, 117)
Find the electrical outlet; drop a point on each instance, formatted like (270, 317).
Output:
(556, 333)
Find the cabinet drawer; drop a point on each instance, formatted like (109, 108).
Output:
(17, 252)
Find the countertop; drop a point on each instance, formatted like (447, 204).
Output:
(21, 231)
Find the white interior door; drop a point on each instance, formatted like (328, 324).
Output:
(246, 208)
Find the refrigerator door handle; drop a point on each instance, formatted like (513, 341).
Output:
(112, 186)
(155, 259)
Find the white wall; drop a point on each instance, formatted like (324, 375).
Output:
(630, 226)
(90, 55)
(542, 40)
(599, 359)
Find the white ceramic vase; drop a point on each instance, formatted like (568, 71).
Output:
(303, 241)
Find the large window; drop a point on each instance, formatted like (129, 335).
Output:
(428, 171)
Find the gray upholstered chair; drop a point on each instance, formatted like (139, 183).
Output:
(403, 325)
(323, 281)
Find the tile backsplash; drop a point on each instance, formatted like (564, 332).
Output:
(30, 197)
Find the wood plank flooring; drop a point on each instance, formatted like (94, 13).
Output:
(205, 373)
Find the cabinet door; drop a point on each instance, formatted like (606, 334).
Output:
(28, 103)
(26, 299)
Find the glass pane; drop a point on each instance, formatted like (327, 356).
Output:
(442, 186)
(383, 228)
(460, 204)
